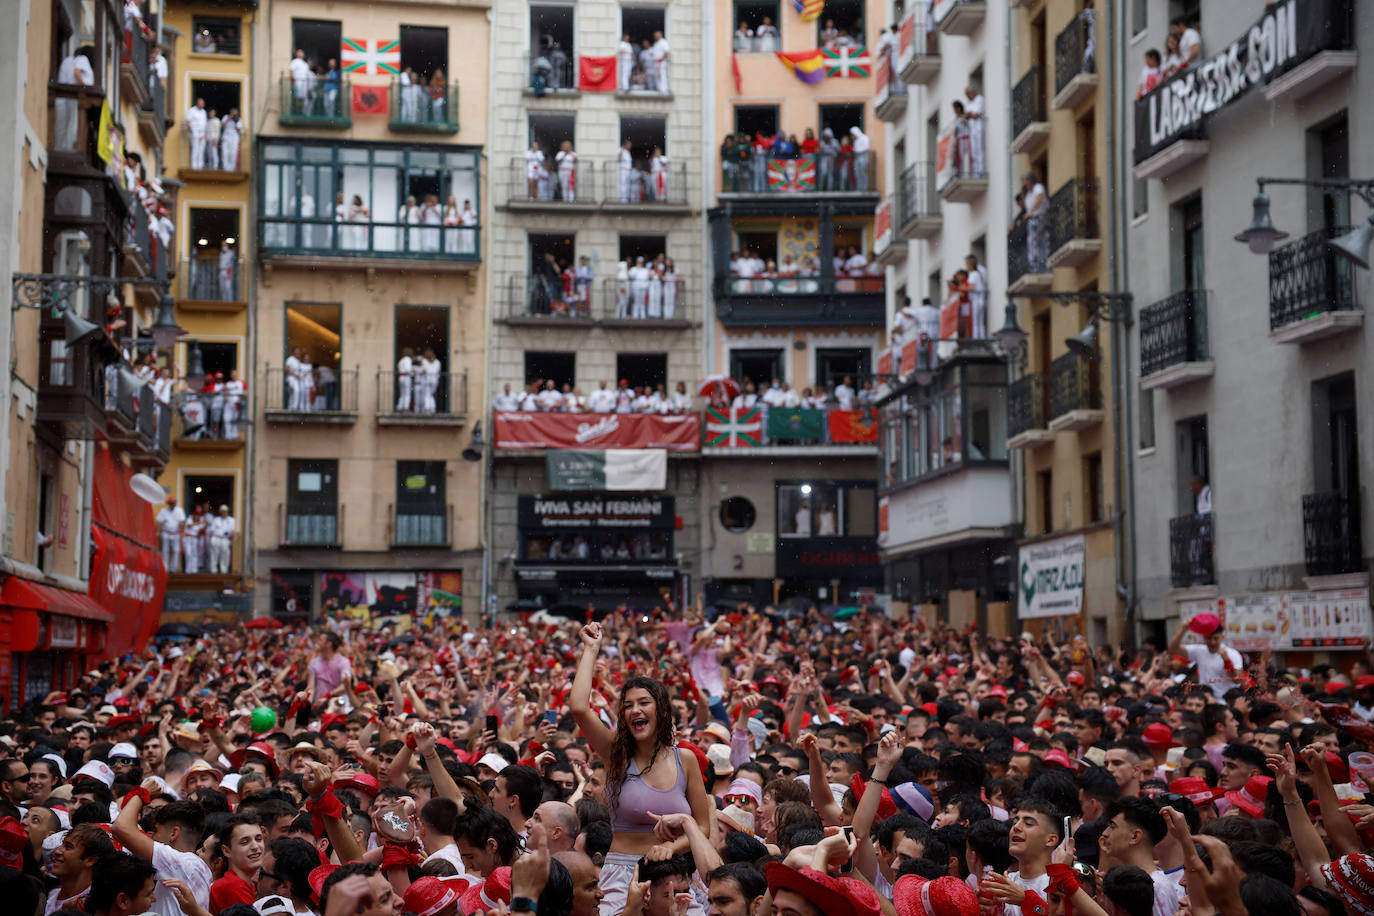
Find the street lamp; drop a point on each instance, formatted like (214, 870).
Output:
(1084, 346)
(165, 329)
(1354, 246)
(195, 368)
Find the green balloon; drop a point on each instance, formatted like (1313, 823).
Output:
(263, 720)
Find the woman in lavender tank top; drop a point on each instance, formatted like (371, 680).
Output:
(647, 774)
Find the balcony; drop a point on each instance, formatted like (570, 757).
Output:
(804, 176)
(319, 242)
(959, 17)
(888, 249)
(1027, 262)
(538, 300)
(317, 399)
(623, 305)
(918, 206)
(1311, 290)
(156, 436)
(423, 109)
(918, 47)
(1027, 408)
(1075, 72)
(138, 244)
(1190, 551)
(420, 400)
(211, 284)
(890, 102)
(209, 422)
(133, 67)
(769, 433)
(552, 75)
(320, 530)
(1030, 123)
(641, 190)
(227, 163)
(1333, 543)
(152, 115)
(1075, 394)
(420, 526)
(316, 103)
(960, 177)
(1173, 341)
(552, 188)
(1074, 237)
(782, 302)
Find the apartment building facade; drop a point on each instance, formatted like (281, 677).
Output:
(368, 212)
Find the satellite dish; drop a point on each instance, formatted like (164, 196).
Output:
(147, 488)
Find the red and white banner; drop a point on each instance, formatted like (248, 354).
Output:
(946, 158)
(127, 575)
(882, 227)
(530, 430)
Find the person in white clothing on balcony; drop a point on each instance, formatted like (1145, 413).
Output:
(292, 373)
(566, 158)
(534, 169)
(655, 291)
(973, 119)
(626, 162)
(790, 398)
(196, 119)
(221, 528)
(302, 79)
(192, 535)
(624, 397)
(75, 70)
(550, 398)
(405, 379)
(744, 39)
(681, 401)
(639, 289)
(669, 288)
(622, 289)
(231, 128)
(602, 400)
(170, 519)
(506, 401)
(978, 295)
(624, 63)
(234, 391)
(659, 55)
(213, 129)
(844, 394)
(430, 370)
(928, 333)
(228, 263)
(861, 148)
(766, 36)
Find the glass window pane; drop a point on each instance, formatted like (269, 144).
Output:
(278, 151)
(348, 154)
(424, 159)
(860, 512)
(387, 156)
(794, 511)
(319, 154)
(986, 422)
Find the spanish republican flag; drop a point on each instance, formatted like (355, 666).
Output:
(807, 66)
(596, 74)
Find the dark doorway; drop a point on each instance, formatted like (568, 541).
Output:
(644, 133)
(756, 119)
(641, 22)
(424, 49)
(219, 357)
(757, 366)
(208, 490)
(642, 370)
(763, 244)
(847, 15)
(560, 246)
(421, 329)
(647, 247)
(320, 39)
(839, 118)
(833, 365)
(1193, 460)
(219, 95)
(542, 366)
(550, 129)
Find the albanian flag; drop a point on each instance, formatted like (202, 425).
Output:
(369, 100)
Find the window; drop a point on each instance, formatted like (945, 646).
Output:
(751, 15)
(551, 39)
(762, 244)
(987, 422)
(213, 272)
(47, 488)
(1140, 16)
(642, 370)
(545, 366)
(841, 22)
(826, 508)
(422, 336)
(647, 247)
(549, 129)
(221, 96)
(645, 135)
(642, 24)
(756, 367)
(1044, 492)
(756, 119)
(1192, 460)
(839, 118)
(1092, 484)
(1329, 157)
(1147, 418)
(219, 356)
(421, 509)
(320, 39)
(314, 337)
(1140, 197)
(834, 366)
(216, 35)
(352, 199)
(424, 49)
(645, 28)
(312, 502)
(207, 492)
(1194, 275)
(737, 514)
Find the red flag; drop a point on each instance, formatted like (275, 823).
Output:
(949, 319)
(734, 68)
(596, 74)
(369, 100)
(853, 425)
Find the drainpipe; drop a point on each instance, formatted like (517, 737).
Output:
(1123, 477)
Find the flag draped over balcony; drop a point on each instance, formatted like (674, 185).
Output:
(734, 427)
(796, 423)
(810, 10)
(596, 74)
(807, 66)
(370, 100)
(847, 62)
(853, 425)
(369, 56)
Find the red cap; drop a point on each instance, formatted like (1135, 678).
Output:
(428, 896)
(1205, 624)
(1157, 734)
(1335, 765)
(488, 895)
(1364, 682)
(833, 896)
(1057, 757)
(1250, 798)
(886, 806)
(1335, 687)
(931, 708)
(1076, 678)
(317, 877)
(1195, 789)
(13, 839)
(363, 782)
(997, 690)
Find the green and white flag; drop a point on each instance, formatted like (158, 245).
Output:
(609, 469)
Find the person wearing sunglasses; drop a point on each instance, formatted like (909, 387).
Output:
(14, 787)
(745, 793)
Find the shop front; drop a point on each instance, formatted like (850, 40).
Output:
(594, 548)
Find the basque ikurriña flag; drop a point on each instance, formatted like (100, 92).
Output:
(847, 62)
(370, 56)
(734, 427)
(790, 176)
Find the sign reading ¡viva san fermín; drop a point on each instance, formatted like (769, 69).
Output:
(1287, 34)
(1050, 578)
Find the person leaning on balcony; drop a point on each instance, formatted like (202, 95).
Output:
(405, 379)
(973, 117)
(213, 129)
(438, 94)
(333, 81)
(157, 67)
(170, 519)
(744, 39)
(978, 295)
(507, 401)
(234, 391)
(427, 379)
(1202, 495)
(1037, 204)
(659, 55)
(844, 393)
(196, 119)
(1149, 74)
(602, 400)
(1189, 42)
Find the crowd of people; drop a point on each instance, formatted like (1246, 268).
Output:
(200, 541)
(643, 68)
(418, 377)
(1182, 50)
(547, 396)
(214, 140)
(644, 288)
(662, 763)
(778, 393)
(840, 165)
(637, 181)
(754, 274)
(308, 386)
(315, 89)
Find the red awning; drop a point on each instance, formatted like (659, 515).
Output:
(22, 593)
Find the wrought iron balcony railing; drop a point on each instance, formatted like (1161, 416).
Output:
(1028, 100)
(1074, 385)
(1307, 278)
(1173, 331)
(1026, 408)
(1073, 53)
(1190, 551)
(1333, 543)
(1073, 212)
(316, 102)
(421, 108)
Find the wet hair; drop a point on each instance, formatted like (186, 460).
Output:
(187, 815)
(597, 837)
(1268, 895)
(1255, 858)
(752, 885)
(741, 847)
(1131, 890)
(623, 745)
(477, 825)
(116, 874)
(440, 815)
(989, 839)
(525, 783)
(295, 859)
(1140, 813)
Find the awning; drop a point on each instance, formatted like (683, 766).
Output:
(21, 593)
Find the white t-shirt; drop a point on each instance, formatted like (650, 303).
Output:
(1167, 894)
(449, 853)
(1039, 885)
(1187, 42)
(186, 866)
(1211, 668)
